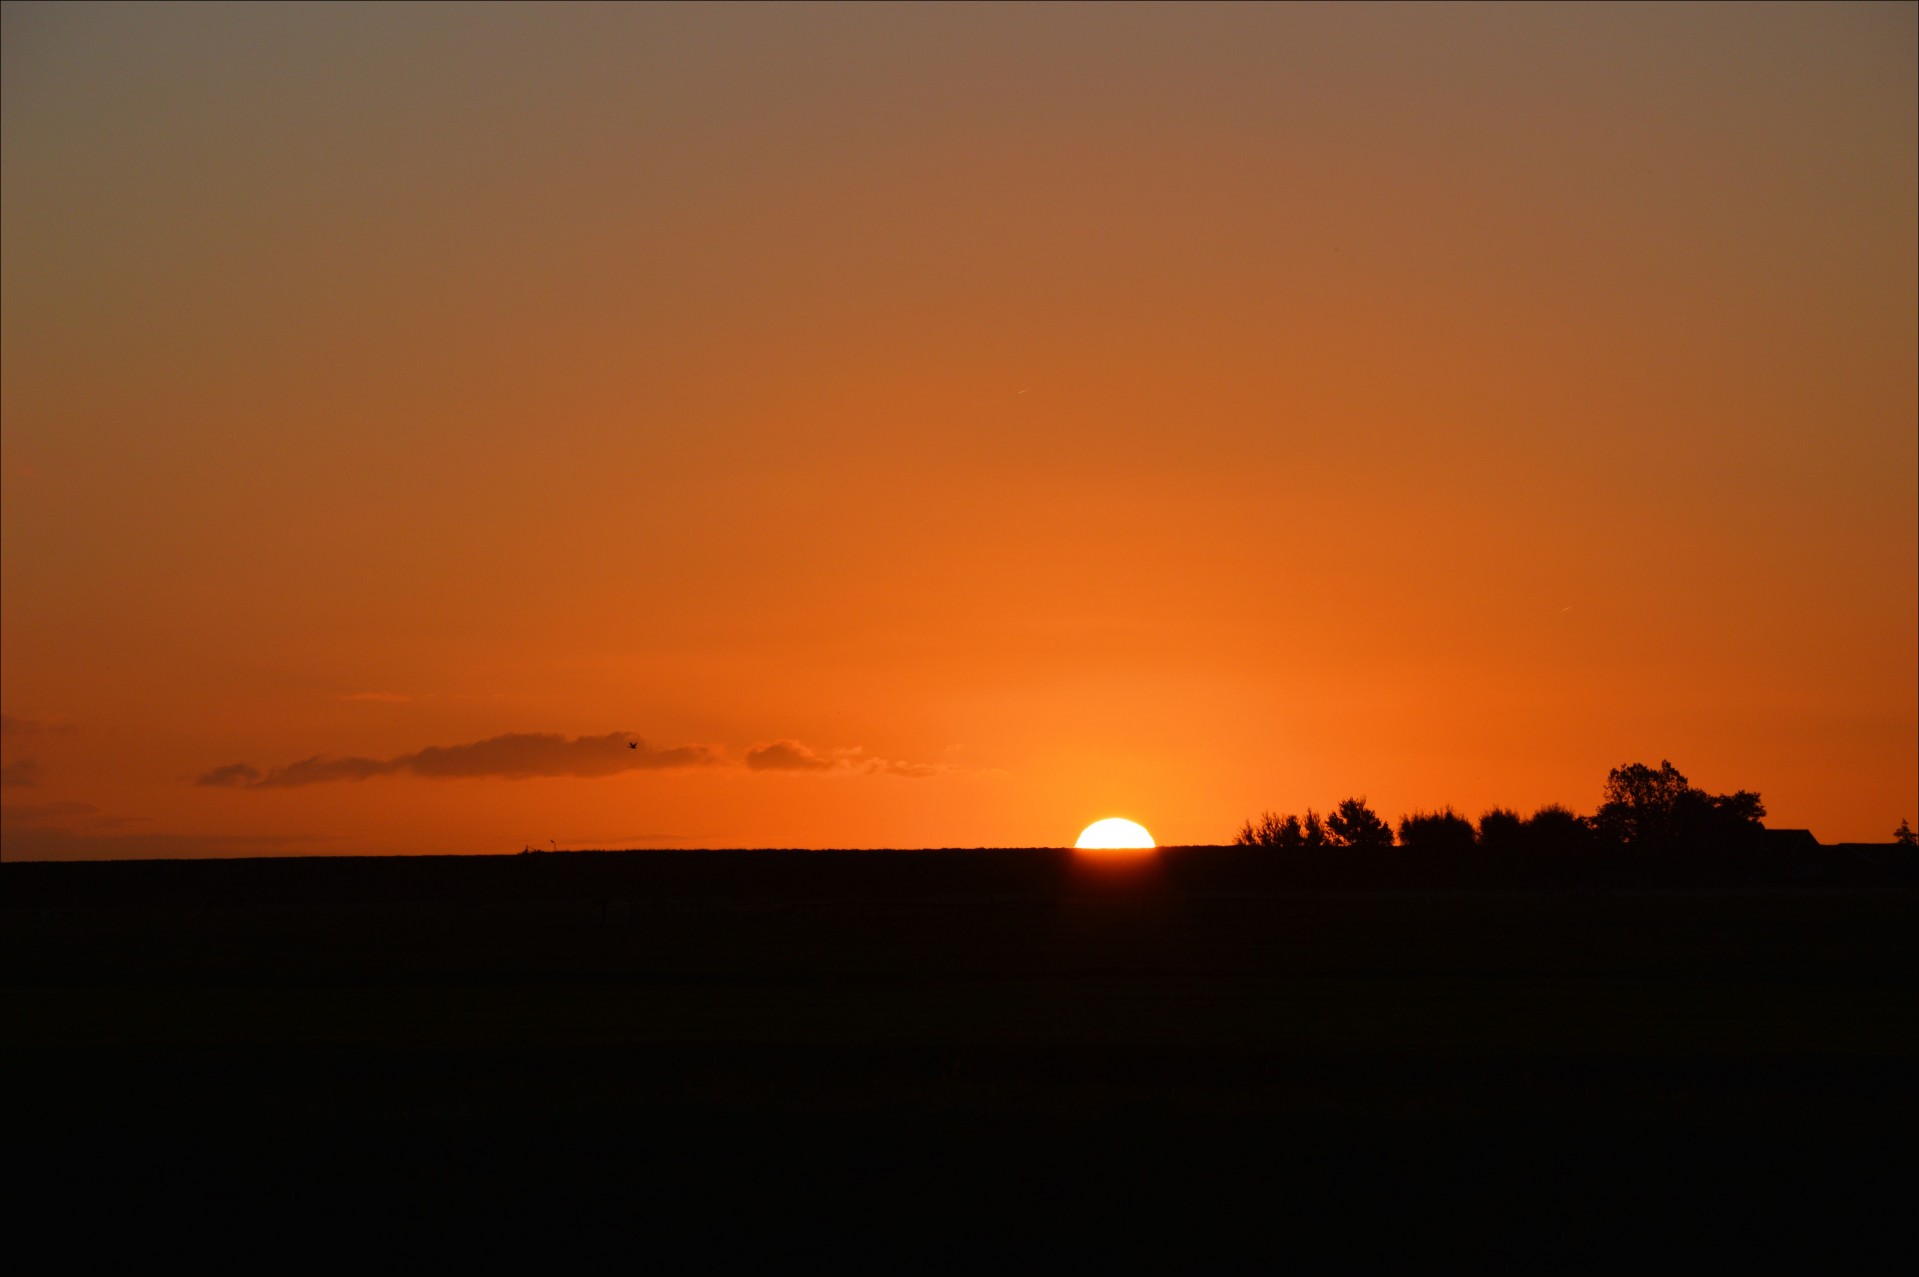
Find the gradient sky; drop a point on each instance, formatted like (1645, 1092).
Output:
(948, 425)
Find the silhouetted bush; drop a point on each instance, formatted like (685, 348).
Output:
(1269, 831)
(1287, 831)
(1354, 824)
(1501, 831)
(1442, 833)
(1904, 835)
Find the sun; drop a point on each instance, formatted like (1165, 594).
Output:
(1114, 834)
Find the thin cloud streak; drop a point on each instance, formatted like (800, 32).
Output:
(785, 756)
(15, 728)
(794, 756)
(35, 813)
(22, 773)
(50, 842)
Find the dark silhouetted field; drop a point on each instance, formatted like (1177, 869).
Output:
(955, 1060)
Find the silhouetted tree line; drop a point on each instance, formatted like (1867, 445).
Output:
(1644, 808)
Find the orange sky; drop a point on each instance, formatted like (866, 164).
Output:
(1028, 414)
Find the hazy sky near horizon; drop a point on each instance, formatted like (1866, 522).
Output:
(444, 428)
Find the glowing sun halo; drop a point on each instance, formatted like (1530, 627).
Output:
(1114, 834)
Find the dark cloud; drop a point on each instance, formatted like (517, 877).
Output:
(516, 756)
(233, 775)
(19, 772)
(308, 771)
(530, 754)
(524, 755)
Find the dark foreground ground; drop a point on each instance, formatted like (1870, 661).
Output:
(912, 1061)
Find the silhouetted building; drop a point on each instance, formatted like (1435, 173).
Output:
(1790, 842)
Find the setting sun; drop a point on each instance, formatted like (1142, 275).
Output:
(1114, 834)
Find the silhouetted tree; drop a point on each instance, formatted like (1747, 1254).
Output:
(1719, 820)
(1640, 804)
(1557, 830)
(1354, 824)
(1442, 833)
(1904, 835)
(1500, 830)
(1647, 808)
(1313, 832)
